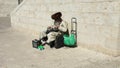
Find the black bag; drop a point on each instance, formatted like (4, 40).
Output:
(59, 42)
(36, 43)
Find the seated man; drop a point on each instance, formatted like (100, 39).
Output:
(59, 27)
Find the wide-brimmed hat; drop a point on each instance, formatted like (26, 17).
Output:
(56, 15)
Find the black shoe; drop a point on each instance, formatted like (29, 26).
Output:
(44, 38)
(51, 44)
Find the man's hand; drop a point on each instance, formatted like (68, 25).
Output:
(49, 27)
(53, 27)
(56, 27)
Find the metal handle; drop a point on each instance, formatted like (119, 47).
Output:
(73, 23)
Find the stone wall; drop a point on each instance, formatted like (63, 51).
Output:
(98, 20)
(6, 6)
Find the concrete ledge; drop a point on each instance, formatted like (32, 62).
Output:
(98, 20)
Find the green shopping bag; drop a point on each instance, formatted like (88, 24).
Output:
(69, 40)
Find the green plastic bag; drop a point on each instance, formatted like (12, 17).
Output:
(41, 47)
(69, 40)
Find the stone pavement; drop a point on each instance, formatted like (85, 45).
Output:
(16, 52)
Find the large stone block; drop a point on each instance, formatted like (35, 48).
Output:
(98, 20)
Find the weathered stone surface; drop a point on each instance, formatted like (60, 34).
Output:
(98, 20)
(6, 6)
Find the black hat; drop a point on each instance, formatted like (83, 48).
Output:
(56, 15)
